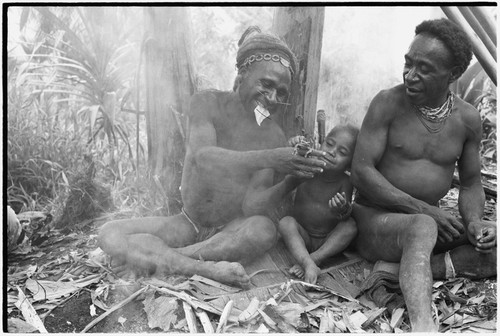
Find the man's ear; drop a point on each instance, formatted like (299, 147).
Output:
(455, 74)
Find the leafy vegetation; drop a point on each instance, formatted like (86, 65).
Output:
(64, 98)
(476, 88)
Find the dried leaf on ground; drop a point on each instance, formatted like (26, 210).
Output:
(52, 290)
(161, 312)
(18, 326)
(290, 312)
(29, 312)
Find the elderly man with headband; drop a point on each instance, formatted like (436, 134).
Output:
(235, 154)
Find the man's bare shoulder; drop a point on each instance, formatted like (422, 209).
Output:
(466, 110)
(387, 103)
(469, 117)
(209, 100)
(393, 96)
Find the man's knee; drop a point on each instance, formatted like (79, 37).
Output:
(263, 231)
(422, 230)
(109, 238)
(286, 223)
(351, 228)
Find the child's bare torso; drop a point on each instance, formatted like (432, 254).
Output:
(311, 207)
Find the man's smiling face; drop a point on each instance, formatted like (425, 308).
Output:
(265, 83)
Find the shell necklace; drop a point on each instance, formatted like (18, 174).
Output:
(438, 115)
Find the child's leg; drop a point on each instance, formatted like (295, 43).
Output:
(337, 241)
(296, 238)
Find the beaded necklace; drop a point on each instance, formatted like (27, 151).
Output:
(437, 115)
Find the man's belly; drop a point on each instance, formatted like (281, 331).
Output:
(419, 178)
(213, 204)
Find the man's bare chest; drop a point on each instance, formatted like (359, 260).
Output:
(246, 136)
(408, 138)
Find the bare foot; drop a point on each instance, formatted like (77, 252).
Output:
(297, 270)
(311, 273)
(129, 273)
(228, 272)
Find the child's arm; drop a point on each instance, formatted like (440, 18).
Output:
(341, 202)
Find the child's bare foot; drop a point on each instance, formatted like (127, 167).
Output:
(297, 270)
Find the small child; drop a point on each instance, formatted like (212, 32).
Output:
(321, 225)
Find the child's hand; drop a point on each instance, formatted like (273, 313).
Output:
(339, 203)
(293, 141)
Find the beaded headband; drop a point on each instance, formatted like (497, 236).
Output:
(267, 57)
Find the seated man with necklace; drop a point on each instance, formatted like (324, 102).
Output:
(412, 138)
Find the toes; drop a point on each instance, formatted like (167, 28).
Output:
(297, 271)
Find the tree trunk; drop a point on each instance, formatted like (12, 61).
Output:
(302, 29)
(169, 84)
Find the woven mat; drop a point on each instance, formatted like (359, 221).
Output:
(274, 265)
(342, 274)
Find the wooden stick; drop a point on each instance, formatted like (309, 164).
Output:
(479, 30)
(373, 316)
(190, 318)
(205, 321)
(191, 300)
(114, 308)
(250, 311)
(486, 20)
(215, 284)
(224, 316)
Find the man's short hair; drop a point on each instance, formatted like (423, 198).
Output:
(452, 36)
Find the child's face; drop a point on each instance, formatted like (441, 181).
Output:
(339, 147)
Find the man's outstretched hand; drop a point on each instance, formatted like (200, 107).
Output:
(289, 161)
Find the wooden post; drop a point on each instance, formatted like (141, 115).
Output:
(483, 56)
(486, 20)
(479, 30)
(169, 85)
(302, 29)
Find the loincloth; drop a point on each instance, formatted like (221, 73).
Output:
(202, 232)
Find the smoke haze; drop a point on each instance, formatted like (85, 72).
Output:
(363, 49)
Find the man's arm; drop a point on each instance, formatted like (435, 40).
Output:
(471, 197)
(202, 145)
(262, 195)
